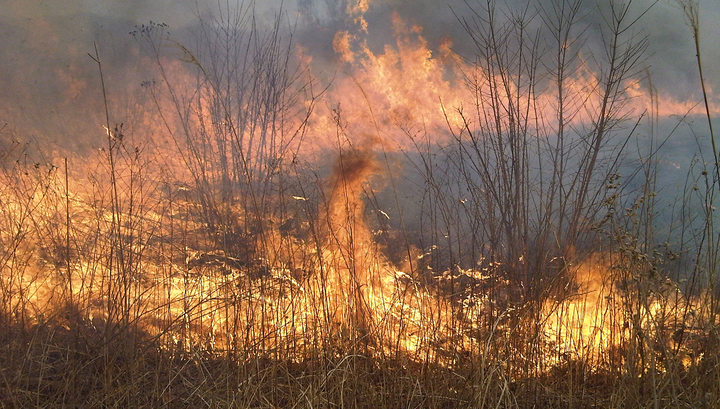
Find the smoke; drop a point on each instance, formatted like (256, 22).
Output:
(353, 169)
(47, 74)
(50, 82)
(346, 209)
(671, 53)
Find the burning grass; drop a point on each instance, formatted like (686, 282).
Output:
(517, 270)
(308, 310)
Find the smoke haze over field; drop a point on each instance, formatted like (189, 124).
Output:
(379, 203)
(49, 80)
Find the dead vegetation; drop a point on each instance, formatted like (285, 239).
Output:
(247, 275)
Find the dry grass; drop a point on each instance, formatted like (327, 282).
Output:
(244, 275)
(194, 326)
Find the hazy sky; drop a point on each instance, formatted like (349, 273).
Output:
(46, 71)
(50, 95)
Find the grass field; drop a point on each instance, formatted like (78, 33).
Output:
(251, 237)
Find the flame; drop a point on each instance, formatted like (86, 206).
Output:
(609, 313)
(400, 92)
(586, 323)
(313, 274)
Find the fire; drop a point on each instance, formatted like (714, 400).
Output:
(586, 324)
(259, 240)
(606, 314)
(395, 95)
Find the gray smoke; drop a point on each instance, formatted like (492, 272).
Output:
(49, 81)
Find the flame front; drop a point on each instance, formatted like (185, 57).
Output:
(423, 206)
